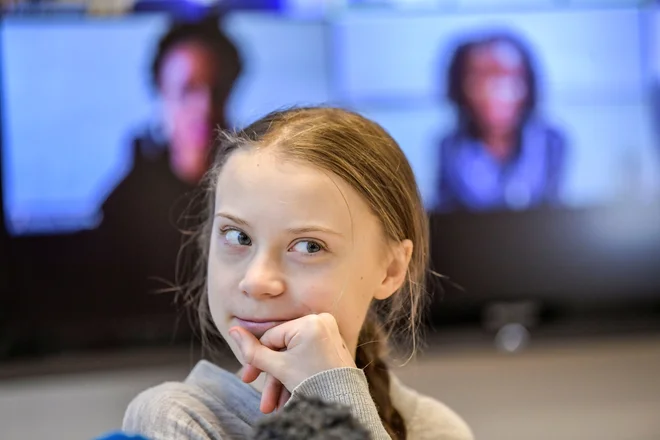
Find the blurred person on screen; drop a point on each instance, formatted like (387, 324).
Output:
(193, 71)
(501, 154)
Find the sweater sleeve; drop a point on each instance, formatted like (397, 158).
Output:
(348, 387)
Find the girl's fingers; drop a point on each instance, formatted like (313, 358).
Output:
(250, 373)
(257, 356)
(285, 395)
(271, 395)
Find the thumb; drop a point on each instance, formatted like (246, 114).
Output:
(256, 354)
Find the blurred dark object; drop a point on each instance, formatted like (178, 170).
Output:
(310, 418)
(598, 260)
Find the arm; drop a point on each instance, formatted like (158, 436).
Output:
(348, 387)
(309, 357)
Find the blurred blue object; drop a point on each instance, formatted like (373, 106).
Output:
(199, 9)
(121, 436)
(180, 9)
(264, 5)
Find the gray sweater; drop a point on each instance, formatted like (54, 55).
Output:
(214, 404)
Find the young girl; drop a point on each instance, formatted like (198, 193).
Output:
(313, 251)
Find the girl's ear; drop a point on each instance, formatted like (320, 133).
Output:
(396, 269)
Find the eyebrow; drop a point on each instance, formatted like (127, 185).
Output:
(237, 220)
(294, 231)
(307, 229)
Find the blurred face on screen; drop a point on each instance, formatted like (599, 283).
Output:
(495, 87)
(192, 102)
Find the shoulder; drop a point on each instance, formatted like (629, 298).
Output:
(171, 410)
(435, 420)
(211, 404)
(427, 418)
(556, 137)
(452, 140)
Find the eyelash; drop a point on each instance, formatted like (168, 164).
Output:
(224, 230)
(322, 246)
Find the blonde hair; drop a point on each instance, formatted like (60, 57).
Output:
(365, 156)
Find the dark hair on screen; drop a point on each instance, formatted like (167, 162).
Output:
(206, 32)
(457, 72)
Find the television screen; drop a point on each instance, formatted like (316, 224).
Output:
(495, 111)
(527, 129)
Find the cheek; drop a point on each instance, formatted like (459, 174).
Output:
(221, 281)
(183, 118)
(175, 111)
(177, 120)
(346, 299)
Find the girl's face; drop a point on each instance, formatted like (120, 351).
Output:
(290, 240)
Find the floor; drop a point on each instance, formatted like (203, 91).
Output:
(605, 389)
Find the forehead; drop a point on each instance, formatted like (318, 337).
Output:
(262, 186)
(496, 57)
(187, 58)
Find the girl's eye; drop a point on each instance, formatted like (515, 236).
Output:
(307, 247)
(237, 238)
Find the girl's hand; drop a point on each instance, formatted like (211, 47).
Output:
(291, 353)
